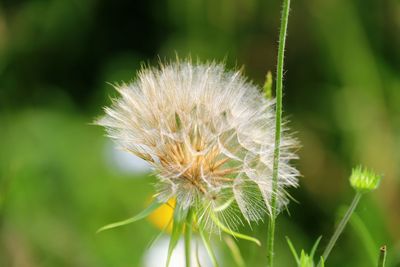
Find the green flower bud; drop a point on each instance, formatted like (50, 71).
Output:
(364, 180)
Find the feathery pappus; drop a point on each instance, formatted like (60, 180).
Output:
(209, 135)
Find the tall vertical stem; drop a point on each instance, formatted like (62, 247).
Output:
(188, 238)
(279, 86)
(340, 227)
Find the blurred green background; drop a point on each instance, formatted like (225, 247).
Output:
(60, 179)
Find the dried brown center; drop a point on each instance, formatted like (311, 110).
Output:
(197, 165)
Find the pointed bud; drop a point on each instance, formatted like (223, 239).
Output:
(364, 180)
(268, 85)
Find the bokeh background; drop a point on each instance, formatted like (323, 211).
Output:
(61, 179)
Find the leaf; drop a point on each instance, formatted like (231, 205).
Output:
(177, 229)
(157, 237)
(188, 237)
(268, 85)
(225, 205)
(293, 250)
(314, 248)
(208, 247)
(237, 256)
(364, 234)
(322, 262)
(197, 255)
(304, 260)
(178, 121)
(143, 214)
(233, 233)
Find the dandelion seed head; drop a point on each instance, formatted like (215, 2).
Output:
(209, 135)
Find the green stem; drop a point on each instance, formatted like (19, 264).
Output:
(279, 86)
(188, 237)
(340, 227)
(366, 239)
(382, 257)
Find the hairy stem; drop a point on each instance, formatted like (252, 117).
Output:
(382, 257)
(188, 238)
(340, 227)
(279, 86)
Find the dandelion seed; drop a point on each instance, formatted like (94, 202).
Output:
(208, 134)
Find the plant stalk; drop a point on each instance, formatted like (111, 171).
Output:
(278, 118)
(341, 227)
(382, 257)
(188, 238)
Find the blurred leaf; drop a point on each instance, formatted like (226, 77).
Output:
(177, 229)
(233, 233)
(146, 212)
(208, 247)
(268, 85)
(322, 262)
(234, 249)
(305, 260)
(314, 248)
(293, 250)
(363, 233)
(197, 255)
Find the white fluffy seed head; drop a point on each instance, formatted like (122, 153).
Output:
(209, 134)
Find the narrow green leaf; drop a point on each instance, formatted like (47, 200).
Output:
(143, 214)
(188, 238)
(233, 247)
(208, 247)
(293, 250)
(225, 205)
(322, 262)
(314, 248)
(157, 237)
(268, 85)
(177, 229)
(178, 121)
(364, 234)
(197, 255)
(233, 233)
(304, 259)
